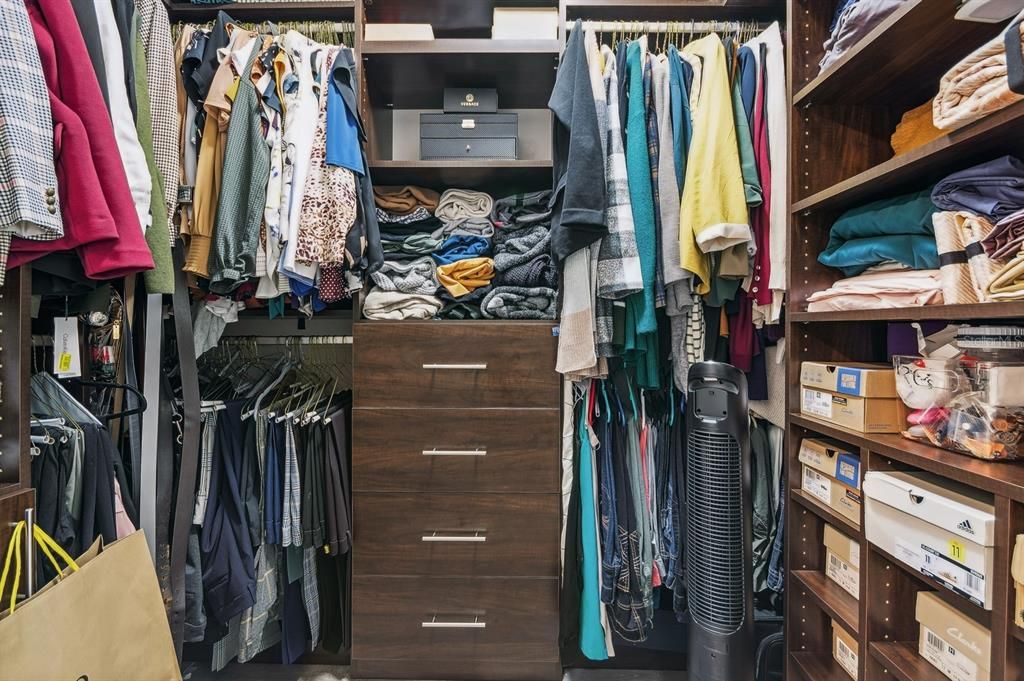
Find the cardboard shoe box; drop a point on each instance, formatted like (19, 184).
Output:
(845, 649)
(943, 530)
(842, 560)
(952, 642)
(831, 473)
(1017, 569)
(856, 379)
(863, 414)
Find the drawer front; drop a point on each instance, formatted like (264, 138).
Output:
(432, 149)
(458, 670)
(468, 365)
(456, 534)
(424, 618)
(456, 450)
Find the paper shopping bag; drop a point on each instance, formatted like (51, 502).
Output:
(103, 622)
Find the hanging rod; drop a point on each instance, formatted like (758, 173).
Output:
(287, 340)
(672, 26)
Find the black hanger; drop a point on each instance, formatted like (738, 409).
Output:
(116, 386)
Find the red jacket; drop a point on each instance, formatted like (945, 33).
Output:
(99, 216)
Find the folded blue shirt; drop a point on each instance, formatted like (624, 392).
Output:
(461, 247)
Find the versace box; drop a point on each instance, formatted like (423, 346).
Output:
(470, 100)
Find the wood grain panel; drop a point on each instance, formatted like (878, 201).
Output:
(457, 670)
(521, 450)
(12, 509)
(520, 618)
(519, 531)
(516, 365)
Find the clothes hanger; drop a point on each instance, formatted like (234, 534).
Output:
(116, 386)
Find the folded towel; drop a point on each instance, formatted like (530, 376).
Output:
(513, 302)
(463, 307)
(915, 129)
(1007, 237)
(522, 209)
(1008, 283)
(518, 246)
(909, 288)
(405, 200)
(993, 189)
(965, 268)
(417, 215)
(393, 305)
(459, 204)
(466, 227)
(541, 271)
(461, 247)
(463, 276)
(977, 85)
(898, 228)
(415, 276)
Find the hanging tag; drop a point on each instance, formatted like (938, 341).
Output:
(66, 359)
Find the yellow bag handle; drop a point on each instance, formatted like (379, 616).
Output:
(48, 547)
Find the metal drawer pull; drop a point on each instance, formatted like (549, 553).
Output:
(434, 624)
(455, 367)
(454, 452)
(478, 536)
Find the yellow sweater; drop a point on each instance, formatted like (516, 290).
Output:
(463, 276)
(713, 212)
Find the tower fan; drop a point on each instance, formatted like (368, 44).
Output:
(719, 560)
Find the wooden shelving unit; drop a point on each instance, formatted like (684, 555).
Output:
(338, 10)
(841, 123)
(817, 667)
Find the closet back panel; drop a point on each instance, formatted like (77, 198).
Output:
(520, 618)
(456, 535)
(467, 365)
(15, 367)
(493, 450)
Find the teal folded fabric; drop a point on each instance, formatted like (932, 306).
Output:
(898, 228)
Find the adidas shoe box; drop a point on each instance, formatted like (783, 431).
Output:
(842, 560)
(831, 474)
(952, 642)
(1017, 569)
(845, 649)
(944, 530)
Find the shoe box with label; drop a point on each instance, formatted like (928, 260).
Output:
(858, 396)
(831, 474)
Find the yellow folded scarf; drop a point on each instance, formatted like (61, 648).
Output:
(462, 276)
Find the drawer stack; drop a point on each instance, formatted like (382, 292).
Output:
(457, 509)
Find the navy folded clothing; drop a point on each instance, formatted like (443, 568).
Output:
(993, 189)
(461, 247)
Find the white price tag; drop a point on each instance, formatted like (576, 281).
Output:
(67, 361)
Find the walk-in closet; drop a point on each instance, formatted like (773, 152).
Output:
(512, 340)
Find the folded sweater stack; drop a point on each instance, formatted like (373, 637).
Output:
(526, 277)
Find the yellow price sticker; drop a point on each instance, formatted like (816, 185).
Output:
(64, 363)
(957, 551)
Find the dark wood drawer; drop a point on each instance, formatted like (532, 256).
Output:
(455, 364)
(456, 534)
(430, 618)
(458, 670)
(456, 450)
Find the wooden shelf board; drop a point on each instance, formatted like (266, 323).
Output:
(824, 512)
(460, 46)
(819, 667)
(994, 135)
(266, 9)
(999, 310)
(880, 68)
(671, 10)
(1006, 479)
(955, 600)
(501, 177)
(904, 663)
(831, 598)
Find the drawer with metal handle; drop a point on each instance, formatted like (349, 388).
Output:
(464, 365)
(423, 618)
(455, 450)
(456, 534)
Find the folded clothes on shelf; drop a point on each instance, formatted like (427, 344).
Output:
(405, 200)
(391, 305)
(994, 189)
(463, 307)
(459, 204)
(983, 82)
(965, 267)
(854, 19)
(460, 248)
(1006, 238)
(461, 277)
(414, 276)
(880, 290)
(514, 302)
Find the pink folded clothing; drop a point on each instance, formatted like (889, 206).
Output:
(978, 85)
(880, 290)
(1007, 237)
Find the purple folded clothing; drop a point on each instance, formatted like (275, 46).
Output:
(1006, 238)
(994, 189)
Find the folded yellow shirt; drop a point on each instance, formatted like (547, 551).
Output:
(462, 276)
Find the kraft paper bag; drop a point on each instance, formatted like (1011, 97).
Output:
(104, 622)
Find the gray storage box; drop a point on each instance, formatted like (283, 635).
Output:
(451, 136)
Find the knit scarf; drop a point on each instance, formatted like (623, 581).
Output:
(513, 302)
(513, 247)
